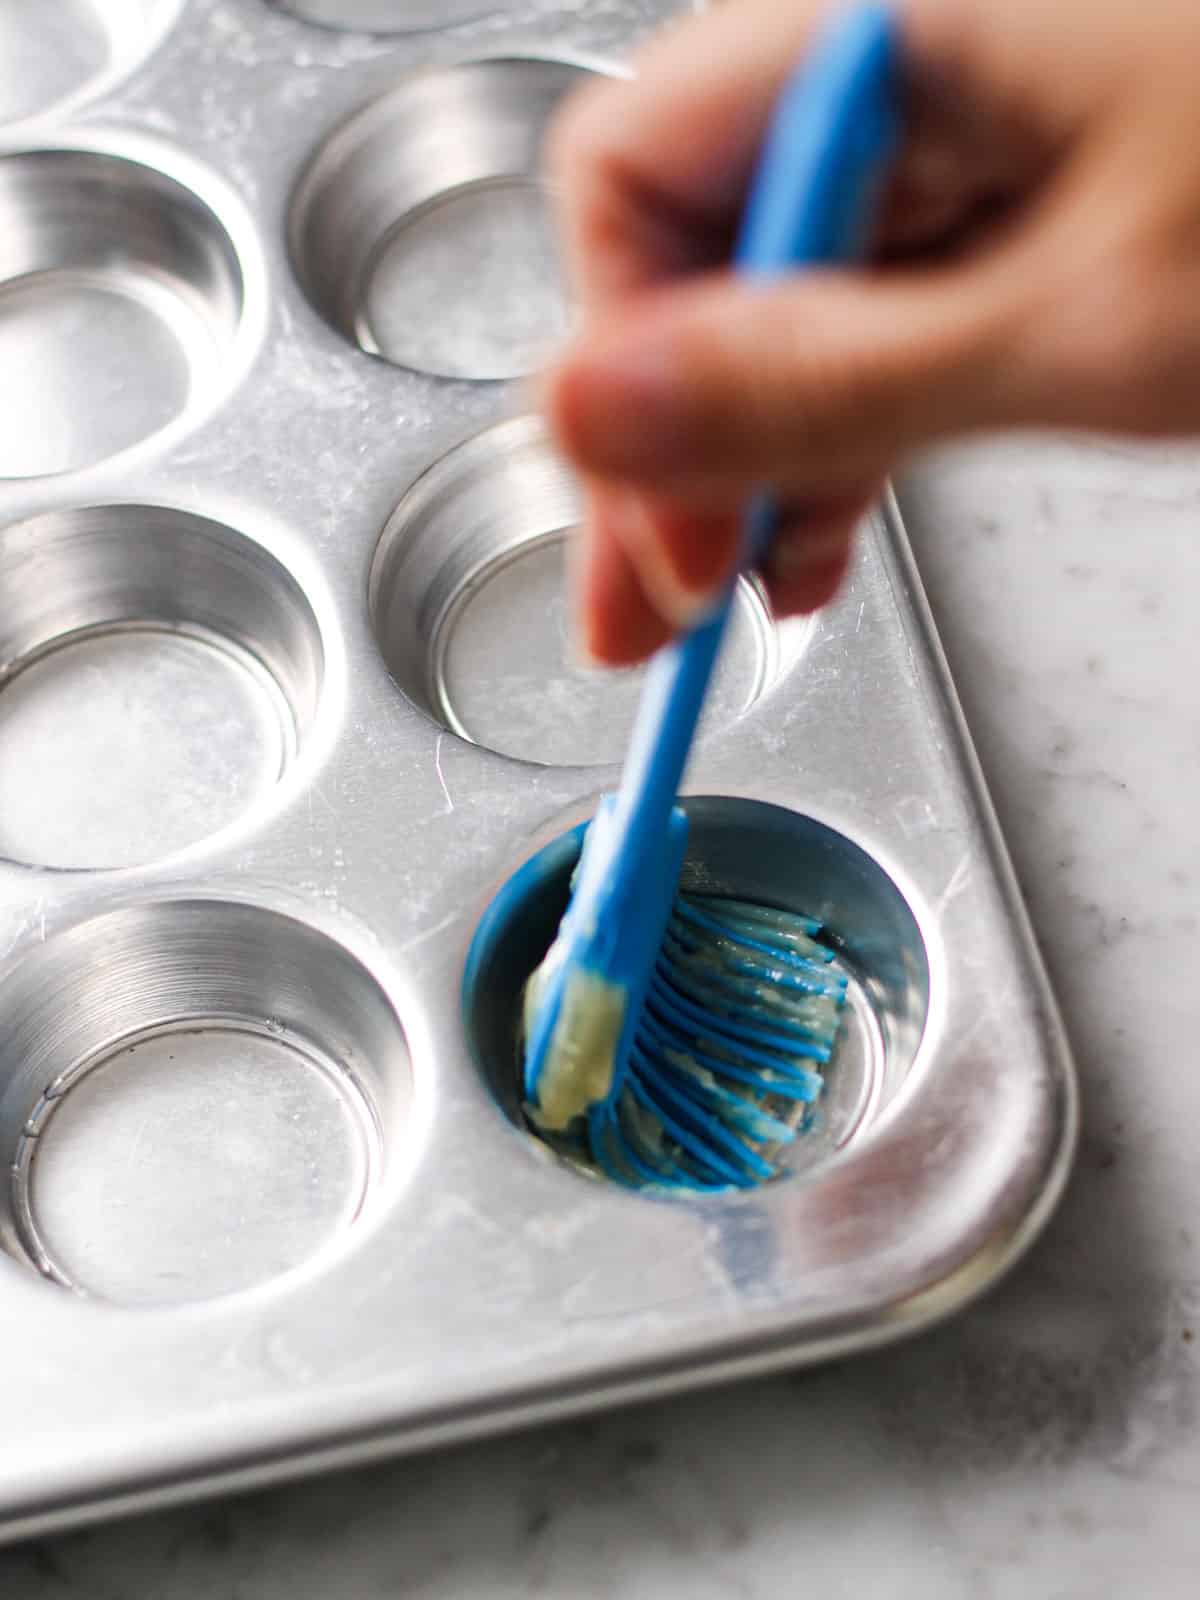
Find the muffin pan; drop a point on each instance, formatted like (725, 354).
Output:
(287, 695)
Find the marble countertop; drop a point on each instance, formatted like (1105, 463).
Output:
(1045, 1444)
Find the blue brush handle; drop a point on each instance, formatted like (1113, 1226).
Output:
(833, 131)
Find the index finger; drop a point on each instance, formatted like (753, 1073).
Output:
(651, 171)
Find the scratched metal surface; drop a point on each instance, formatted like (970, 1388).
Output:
(280, 707)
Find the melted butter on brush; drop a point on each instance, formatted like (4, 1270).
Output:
(739, 1023)
(581, 1058)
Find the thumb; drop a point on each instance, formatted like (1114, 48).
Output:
(812, 384)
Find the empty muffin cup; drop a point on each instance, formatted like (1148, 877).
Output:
(745, 850)
(388, 16)
(470, 606)
(217, 1104)
(56, 51)
(420, 231)
(159, 672)
(121, 298)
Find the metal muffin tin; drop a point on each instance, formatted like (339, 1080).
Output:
(286, 694)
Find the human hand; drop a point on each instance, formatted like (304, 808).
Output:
(1037, 263)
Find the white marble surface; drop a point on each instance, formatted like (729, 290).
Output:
(1047, 1444)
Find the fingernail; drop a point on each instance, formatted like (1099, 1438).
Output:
(582, 649)
(604, 650)
(699, 548)
(581, 569)
(585, 641)
(680, 604)
(615, 624)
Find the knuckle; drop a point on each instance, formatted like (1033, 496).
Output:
(718, 385)
(1131, 338)
(833, 401)
(782, 396)
(1125, 333)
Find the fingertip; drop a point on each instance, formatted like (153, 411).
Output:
(618, 400)
(808, 590)
(682, 558)
(567, 398)
(617, 625)
(812, 549)
(695, 552)
(808, 561)
(824, 583)
(569, 144)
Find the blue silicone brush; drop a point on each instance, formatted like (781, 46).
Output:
(677, 1039)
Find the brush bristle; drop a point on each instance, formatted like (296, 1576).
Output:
(726, 1065)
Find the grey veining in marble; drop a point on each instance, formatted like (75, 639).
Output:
(1047, 1443)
